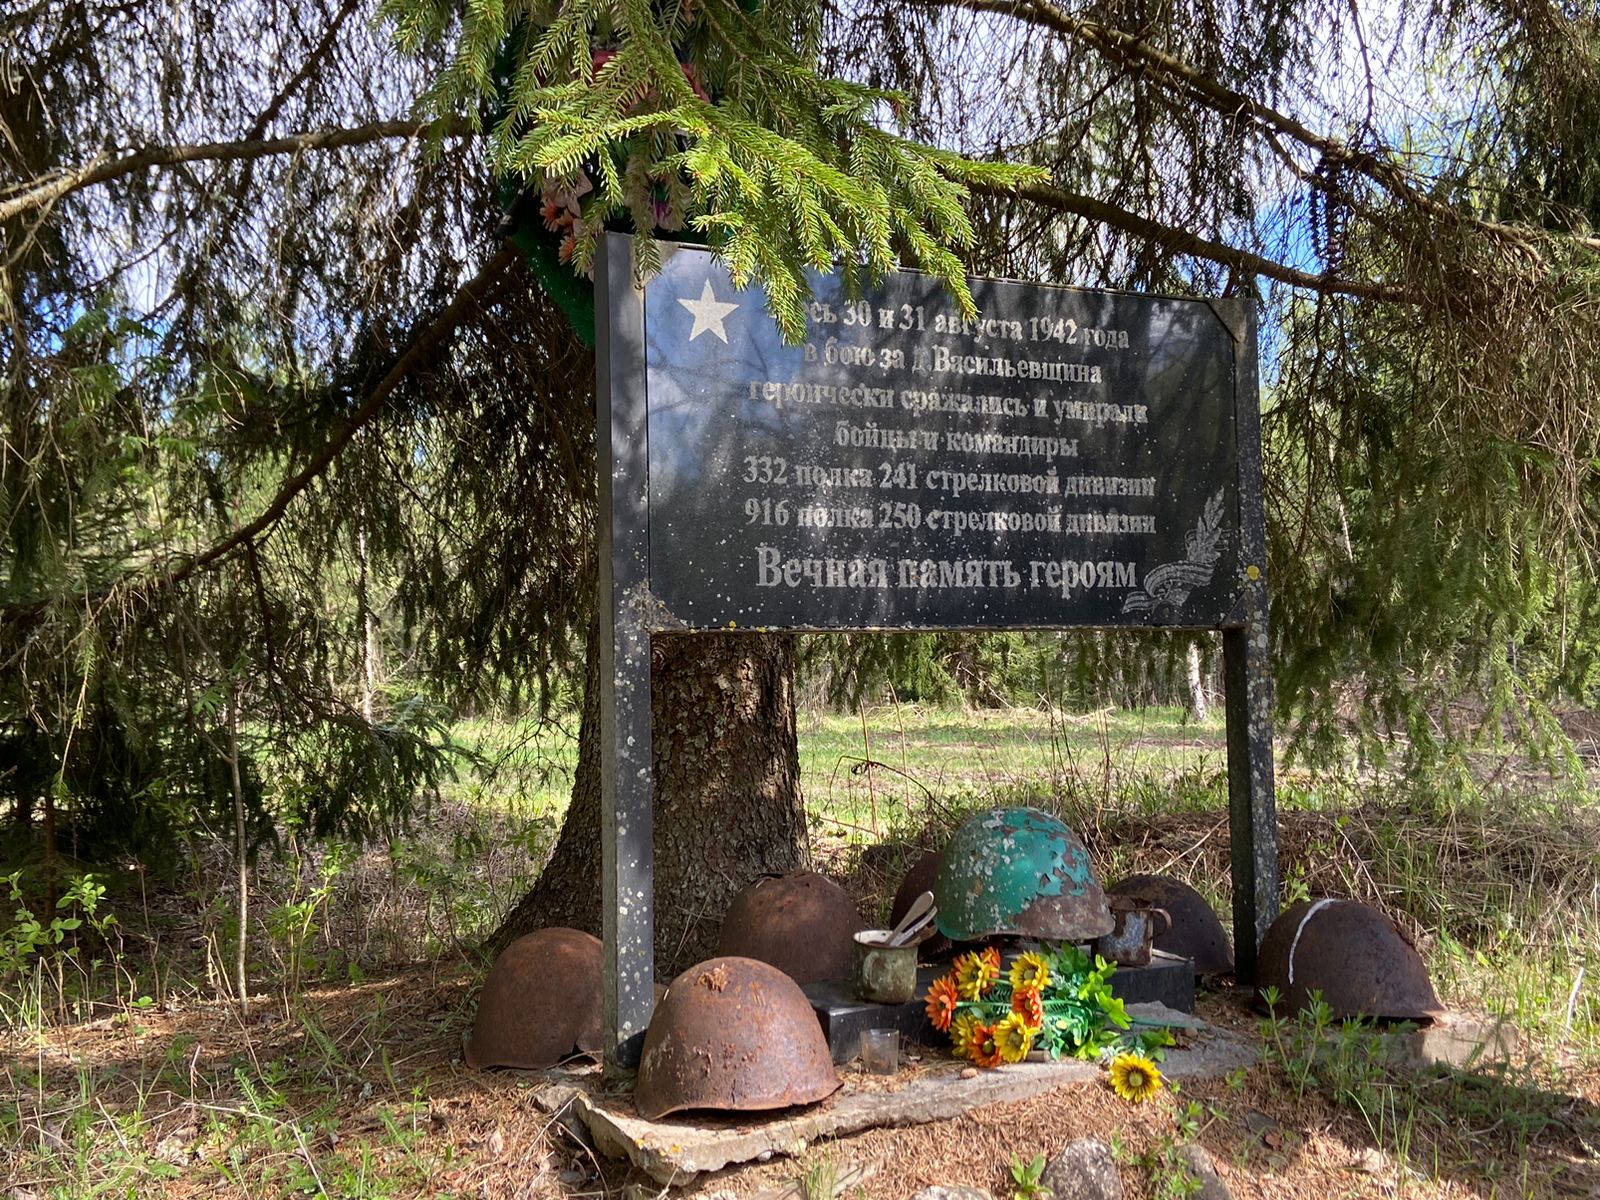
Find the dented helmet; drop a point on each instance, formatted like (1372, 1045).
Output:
(733, 1033)
(1018, 871)
(1351, 953)
(541, 1002)
(1195, 932)
(803, 924)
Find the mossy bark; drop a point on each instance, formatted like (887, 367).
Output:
(727, 794)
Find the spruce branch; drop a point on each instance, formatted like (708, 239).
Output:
(106, 166)
(1183, 241)
(1161, 68)
(175, 568)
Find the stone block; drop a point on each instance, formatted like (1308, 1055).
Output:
(1461, 1041)
(1199, 1163)
(1084, 1170)
(1166, 982)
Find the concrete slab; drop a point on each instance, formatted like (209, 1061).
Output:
(675, 1150)
(1464, 1041)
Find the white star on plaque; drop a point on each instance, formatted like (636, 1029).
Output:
(709, 313)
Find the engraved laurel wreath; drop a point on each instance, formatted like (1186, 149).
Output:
(1171, 583)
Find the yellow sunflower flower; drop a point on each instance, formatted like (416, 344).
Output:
(976, 974)
(1134, 1077)
(961, 1031)
(1030, 971)
(1013, 1038)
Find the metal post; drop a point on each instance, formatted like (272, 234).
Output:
(1252, 807)
(626, 775)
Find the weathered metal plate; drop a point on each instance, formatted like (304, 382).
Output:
(1068, 459)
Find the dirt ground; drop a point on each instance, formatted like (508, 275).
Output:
(362, 1091)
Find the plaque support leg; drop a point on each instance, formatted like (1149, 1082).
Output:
(626, 841)
(1252, 808)
(627, 780)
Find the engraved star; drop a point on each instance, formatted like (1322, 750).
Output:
(709, 313)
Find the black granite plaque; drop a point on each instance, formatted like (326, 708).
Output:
(1067, 459)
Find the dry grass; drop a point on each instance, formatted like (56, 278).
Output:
(364, 1094)
(358, 1089)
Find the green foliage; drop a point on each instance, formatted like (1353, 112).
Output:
(28, 941)
(1498, 1109)
(785, 169)
(1026, 1176)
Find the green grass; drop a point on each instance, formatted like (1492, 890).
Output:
(896, 766)
(520, 768)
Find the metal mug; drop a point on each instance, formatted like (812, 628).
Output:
(881, 973)
(1128, 944)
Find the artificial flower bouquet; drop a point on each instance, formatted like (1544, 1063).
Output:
(1058, 1001)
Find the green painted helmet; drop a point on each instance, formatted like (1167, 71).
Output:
(1018, 871)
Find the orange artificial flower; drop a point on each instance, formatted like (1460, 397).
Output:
(984, 1048)
(1029, 1005)
(942, 1000)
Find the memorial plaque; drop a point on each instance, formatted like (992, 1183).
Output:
(1068, 459)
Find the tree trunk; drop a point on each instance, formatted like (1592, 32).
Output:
(1198, 706)
(727, 794)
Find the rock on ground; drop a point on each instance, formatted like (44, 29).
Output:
(1198, 1159)
(1084, 1170)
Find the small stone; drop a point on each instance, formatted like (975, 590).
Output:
(1371, 1161)
(969, 1073)
(1260, 1124)
(1084, 1170)
(1200, 1164)
(952, 1193)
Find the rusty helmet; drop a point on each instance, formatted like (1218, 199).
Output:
(1195, 931)
(733, 1033)
(540, 1003)
(1351, 953)
(917, 880)
(801, 923)
(1018, 871)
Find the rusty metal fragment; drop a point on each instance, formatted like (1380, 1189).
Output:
(541, 1002)
(1018, 871)
(733, 1033)
(1195, 932)
(1351, 953)
(803, 924)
